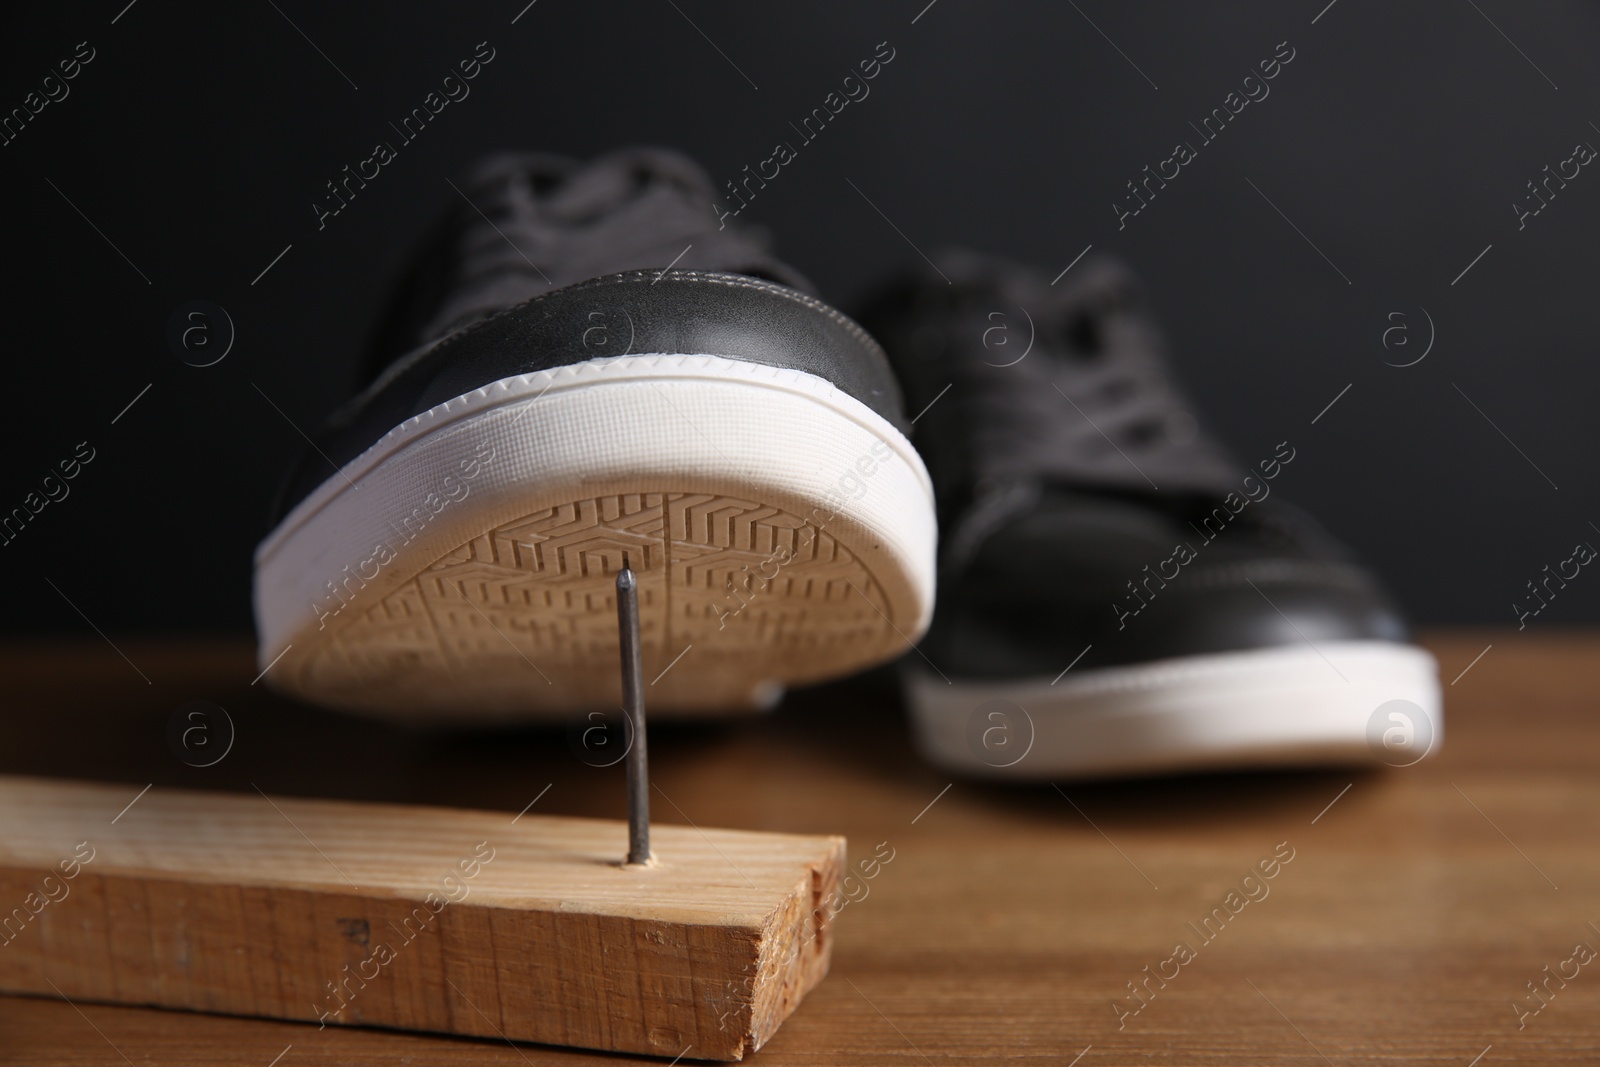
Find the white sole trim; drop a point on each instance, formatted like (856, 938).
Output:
(1276, 707)
(463, 567)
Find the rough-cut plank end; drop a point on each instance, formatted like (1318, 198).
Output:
(417, 918)
(796, 948)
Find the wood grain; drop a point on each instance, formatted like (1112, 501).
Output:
(411, 917)
(1010, 920)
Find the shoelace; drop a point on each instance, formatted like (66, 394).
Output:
(1091, 402)
(1050, 387)
(537, 222)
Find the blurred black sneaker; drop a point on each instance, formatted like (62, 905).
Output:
(1116, 595)
(584, 367)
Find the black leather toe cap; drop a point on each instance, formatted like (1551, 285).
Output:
(633, 313)
(1119, 578)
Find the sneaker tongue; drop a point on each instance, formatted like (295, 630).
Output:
(589, 192)
(613, 180)
(536, 222)
(1092, 403)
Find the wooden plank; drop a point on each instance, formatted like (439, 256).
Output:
(432, 919)
(1010, 921)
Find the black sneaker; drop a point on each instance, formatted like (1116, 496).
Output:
(583, 367)
(1116, 595)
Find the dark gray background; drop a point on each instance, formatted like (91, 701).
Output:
(1396, 141)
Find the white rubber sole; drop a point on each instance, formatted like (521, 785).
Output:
(464, 566)
(1277, 707)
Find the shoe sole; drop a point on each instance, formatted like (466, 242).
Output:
(1277, 707)
(464, 567)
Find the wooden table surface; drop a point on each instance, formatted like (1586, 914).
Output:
(1413, 914)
